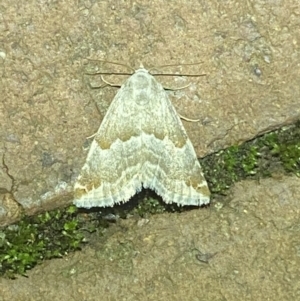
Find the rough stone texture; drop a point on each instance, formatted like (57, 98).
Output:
(245, 249)
(249, 50)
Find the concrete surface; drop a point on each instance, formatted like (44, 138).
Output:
(245, 248)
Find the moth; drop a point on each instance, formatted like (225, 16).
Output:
(141, 142)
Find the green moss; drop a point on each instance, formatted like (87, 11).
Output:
(230, 165)
(34, 239)
(278, 151)
(284, 146)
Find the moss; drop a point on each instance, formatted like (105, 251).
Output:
(284, 146)
(278, 151)
(53, 234)
(230, 165)
(34, 239)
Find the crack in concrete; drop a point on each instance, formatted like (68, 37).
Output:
(5, 167)
(9, 197)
